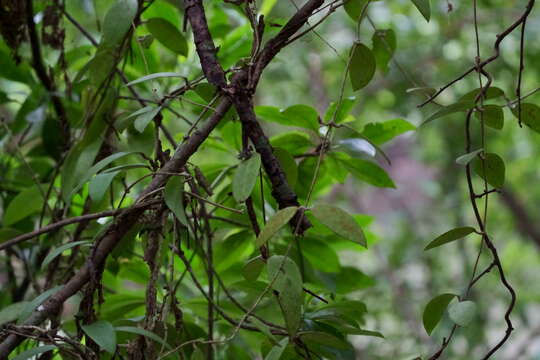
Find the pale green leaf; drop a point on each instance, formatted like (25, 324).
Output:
(245, 177)
(340, 222)
(462, 312)
(276, 222)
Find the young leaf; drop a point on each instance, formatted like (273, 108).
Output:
(143, 332)
(31, 353)
(467, 158)
(462, 313)
(276, 222)
(276, 352)
(53, 254)
(168, 35)
(492, 169)
(174, 199)
(153, 76)
(530, 115)
(245, 177)
(492, 115)
(118, 21)
(362, 66)
(450, 109)
(26, 203)
(252, 269)
(339, 222)
(449, 236)
(434, 311)
(424, 7)
(102, 332)
(384, 46)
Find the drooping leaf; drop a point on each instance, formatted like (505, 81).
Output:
(384, 46)
(153, 76)
(276, 352)
(102, 332)
(27, 202)
(362, 66)
(57, 251)
(143, 332)
(381, 132)
(168, 35)
(245, 177)
(276, 222)
(340, 222)
(492, 115)
(462, 312)
(173, 195)
(31, 353)
(530, 115)
(118, 21)
(467, 158)
(434, 311)
(449, 236)
(253, 268)
(491, 169)
(450, 109)
(424, 7)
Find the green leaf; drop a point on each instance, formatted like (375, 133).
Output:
(295, 142)
(491, 93)
(153, 76)
(423, 91)
(288, 165)
(354, 8)
(449, 236)
(492, 169)
(369, 172)
(100, 183)
(252, 269)
(118, 21)
(276, 352)
(467, 158)
(264, 329)
(168, 35)
(379, 133)
(340, 222)
(450, 109)
(142, 120)
(143, 332)
(315, 250)
(102, 332)
(342, 114)
(12, 311)
(267, 6)
(530, 115)
(53, 254)
(303, 116)
(362, 66)
(276, 222)
(31, 353)
(174, 198)
(424, 7)
(32, 305)
(27, 202)
(245, 177)
(462, 312)
(492, 115)
(325, 339)
(384, 46)
(434, 311)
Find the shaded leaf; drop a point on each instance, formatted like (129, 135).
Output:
(354, 8)
(362, 66)
(142, 120)
(491, 93)
(57, 251)
(245, 177)
(325, 339)
(424, 7)
(276, 352)
(143, 332)
(492, 169)
(100, 183)
(31, 353)
(381, 132)
(252, 269)
(450, 109)
(276, 222)
(12, 311)
(340, 222)
(369, 172)
(530, 115)
(174, 198)
(288, 165)
(264, 329)
(435, 310)
(32, 305)
(449, 236)
(168, 35)
(118, 21)
(384, 46)
(462, 312)
(102, 332)
(342, 114)
(492, 115)
(27, 202)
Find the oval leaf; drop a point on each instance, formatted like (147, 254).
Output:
(462, 313)
(434, 311)
(118, 21)
(340, 222)
(362, 66)
(245, 177)
(492, 115)
(252, 269)
(492, 169)
(450, 109)
(384, 46)
(174, 199)
(168, 35)
(26, 203)
(449, 236)
(102, 332)
(276, 222)
(31, 353)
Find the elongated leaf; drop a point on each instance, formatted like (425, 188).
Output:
(245, 177)
(434, 311)
(53, 254)
(424, 7)
(450, 109)
(491, 93)
(153, 76)
(143, 332)
(462, 312)
(31, 353)
(322, 338)
(118, 21)
(530, 115)
(32, 305)
(492, 115)
(276, 352)
(382, 132)
(362, 66)
(12, 312)
(369, 172)
(492, 169)
(100, 183)
(342, 114)
(264, 329)
(174, 199)
(384, 46)
(276, 222)
(102, 332)
(141, 111)
(449, 236)
(168, 35)
(340, 222)
(467, 158)
(288, 165)
(26, 203)
(142, 120)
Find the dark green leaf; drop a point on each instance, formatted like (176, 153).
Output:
(118, 21)
(362, 66)
(288, 165)
(31, 353)
(32, 305)
(340, 222)
(424, 7)
(245, 177)
(491, 93)
(530, 115)
(384, 46)
(264, 329)
(174, 198)
(12, 312)
(100, 184)
(252, 269)
(462, 312)
(26, 203)
(342, 114)
(276, 222)
(449, 236)
(142, 120)
(434, 311)
(102, 332)
(355, 8)
(168, 35)
(491, 169)
(450, 109)
(57, 251)
(325, 339)
(492, 115)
